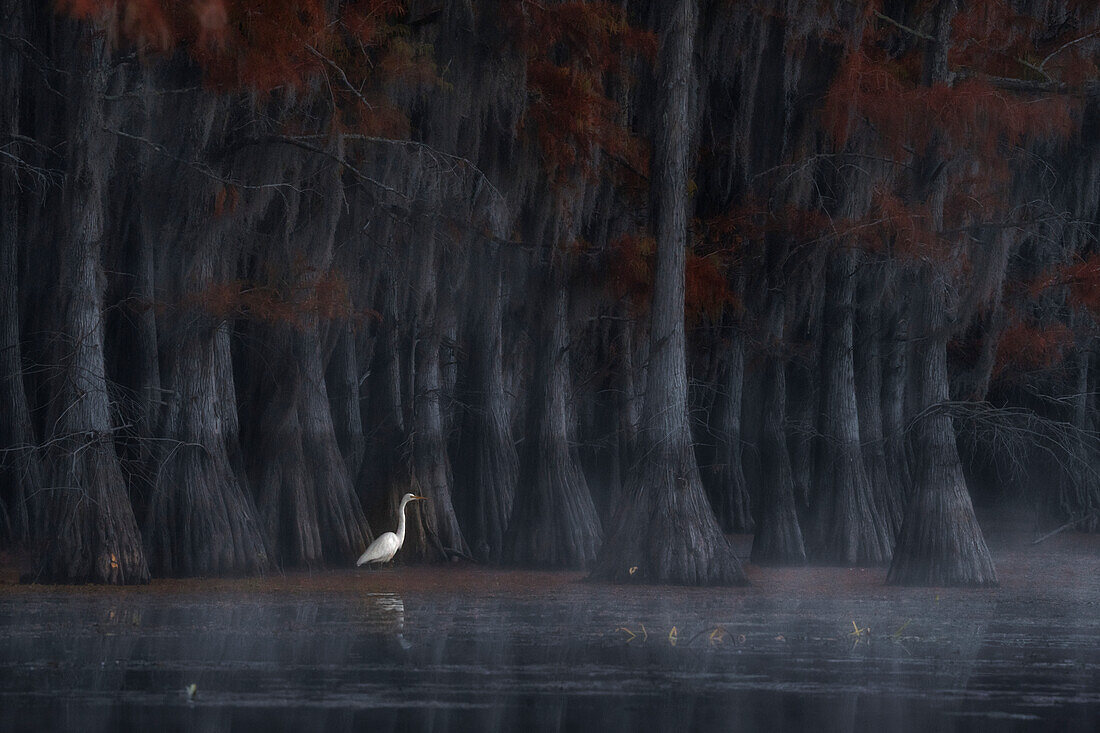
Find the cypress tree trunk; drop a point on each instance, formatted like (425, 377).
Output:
(431, 464)
(886, 494)
(554, 522)
(485, 480)
(846, 527)
(895, 381)
(802, 400)
(202, 519)
(308, 507)
(724, 477)
(940, 541)
(90, 533)
(342, 384)
(20, 471)
(778, 538)
(666, 531)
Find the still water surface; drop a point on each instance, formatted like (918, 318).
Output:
(545, 654)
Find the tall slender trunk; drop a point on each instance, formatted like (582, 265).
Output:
(886, 494)
(895, 380)
(342, 384)
(554, 522)
(778, 538)
(485, 479)
(846, 526)
(724, 477)
(90, 533)
(434, 529)
(20, 470)
(666, 531)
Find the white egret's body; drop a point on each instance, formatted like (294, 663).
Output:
(386, 546)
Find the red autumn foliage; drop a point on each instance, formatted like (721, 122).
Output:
(971, 117)
(630, 272)
(270, 44)
(573, 51)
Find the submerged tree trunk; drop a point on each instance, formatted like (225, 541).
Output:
(778, 538)
(940, 541)
(90, 533)
(554, 522)
(666, 531)
(846, 526)
(485, 479)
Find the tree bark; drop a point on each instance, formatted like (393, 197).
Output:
(940, 541)
(666, 531)
(485, 479)
(778, 539)
(90, 532)
(846, 526)
(725, 477)
(20, 470)
(554, 522)
(886, 494)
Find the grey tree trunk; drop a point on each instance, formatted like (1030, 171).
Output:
(846, 526)
(778, 539)
(485, 480)
(20, 470)
(724, 477)
(666, 531)
(554, 521)
(886, 493)
(202, 519)
(940, 541)
(90, 533)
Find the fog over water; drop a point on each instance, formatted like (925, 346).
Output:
(471, 649)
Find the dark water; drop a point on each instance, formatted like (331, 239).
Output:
(558, 660)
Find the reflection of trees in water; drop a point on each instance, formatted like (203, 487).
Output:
(381, 662)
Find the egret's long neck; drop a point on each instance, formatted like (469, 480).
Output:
(401, 523)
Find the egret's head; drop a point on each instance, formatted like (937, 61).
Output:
(411, 497)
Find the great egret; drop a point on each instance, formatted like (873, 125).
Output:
(386, 546)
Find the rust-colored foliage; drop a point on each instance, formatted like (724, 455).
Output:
(357, 47)
(573, 50)
(293, 300)
(630, 272)
(1026, 346)
(1081, 279)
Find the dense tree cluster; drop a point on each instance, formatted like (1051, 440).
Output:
(604, 281)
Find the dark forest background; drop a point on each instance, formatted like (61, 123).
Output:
(603, 280)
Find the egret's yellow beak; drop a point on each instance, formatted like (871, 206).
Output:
(419, 497)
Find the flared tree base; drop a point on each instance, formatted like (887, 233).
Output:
(666, 532)
(941, 543)
(91, 535)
